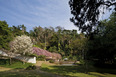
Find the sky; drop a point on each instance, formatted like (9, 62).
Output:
(32, 13)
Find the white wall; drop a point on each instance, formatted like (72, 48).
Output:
(26, 59)
(3, 53)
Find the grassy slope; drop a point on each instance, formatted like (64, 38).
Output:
(79, 71)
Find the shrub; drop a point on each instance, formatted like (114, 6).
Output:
(4, 61)
(33, 55)
(51, 61)
(31, 67)
(7, 61)
(41, 57)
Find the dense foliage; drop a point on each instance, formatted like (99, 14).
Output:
(59, 40)
(103, 47)
(86, 13)
(5, 35)
(100, 46)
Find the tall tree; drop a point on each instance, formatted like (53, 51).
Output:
(103, 46)
(16, 31)
(5, 35)
(86, 13)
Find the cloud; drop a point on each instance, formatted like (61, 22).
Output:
(33, 13)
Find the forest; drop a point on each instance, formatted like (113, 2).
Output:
(69, 43)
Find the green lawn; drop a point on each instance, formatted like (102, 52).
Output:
(17, 69)
(22, 73)
(17, 65)
(79, 71)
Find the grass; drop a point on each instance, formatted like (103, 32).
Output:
(67, 71)
(17, 69)
(22, 73)
(17, 65)
(79, 71)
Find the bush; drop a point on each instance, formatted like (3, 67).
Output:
(4, 61)
(31, 67)
(7, 61)
(33, 55)
(51, 61)
(70, 57)
(41, 57)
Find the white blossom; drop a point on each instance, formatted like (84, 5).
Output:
(22, 44)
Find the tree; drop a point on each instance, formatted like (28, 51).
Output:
(103, 47)
(22, 45)
(16, 31)
(5, 35)
(78, 46)
(86, 13)
(23, 28)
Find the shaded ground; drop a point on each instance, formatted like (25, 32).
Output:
(26, 73)
(10, 72)
(79, 71)
(46, 69)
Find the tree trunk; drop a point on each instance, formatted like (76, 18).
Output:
(45, 42)
(10, 61)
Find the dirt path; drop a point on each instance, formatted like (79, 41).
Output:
(39, 63)
(5, 69)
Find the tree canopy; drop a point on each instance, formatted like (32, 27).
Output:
(86, 13)
(103, 47)
(22, 45)
(5, 35)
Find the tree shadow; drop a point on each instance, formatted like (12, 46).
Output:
(24, 73)
(64, 70)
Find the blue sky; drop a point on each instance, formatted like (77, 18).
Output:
(31, 13)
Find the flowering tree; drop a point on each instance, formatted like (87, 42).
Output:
(22, 45)
(46, 53)
(40, 51)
